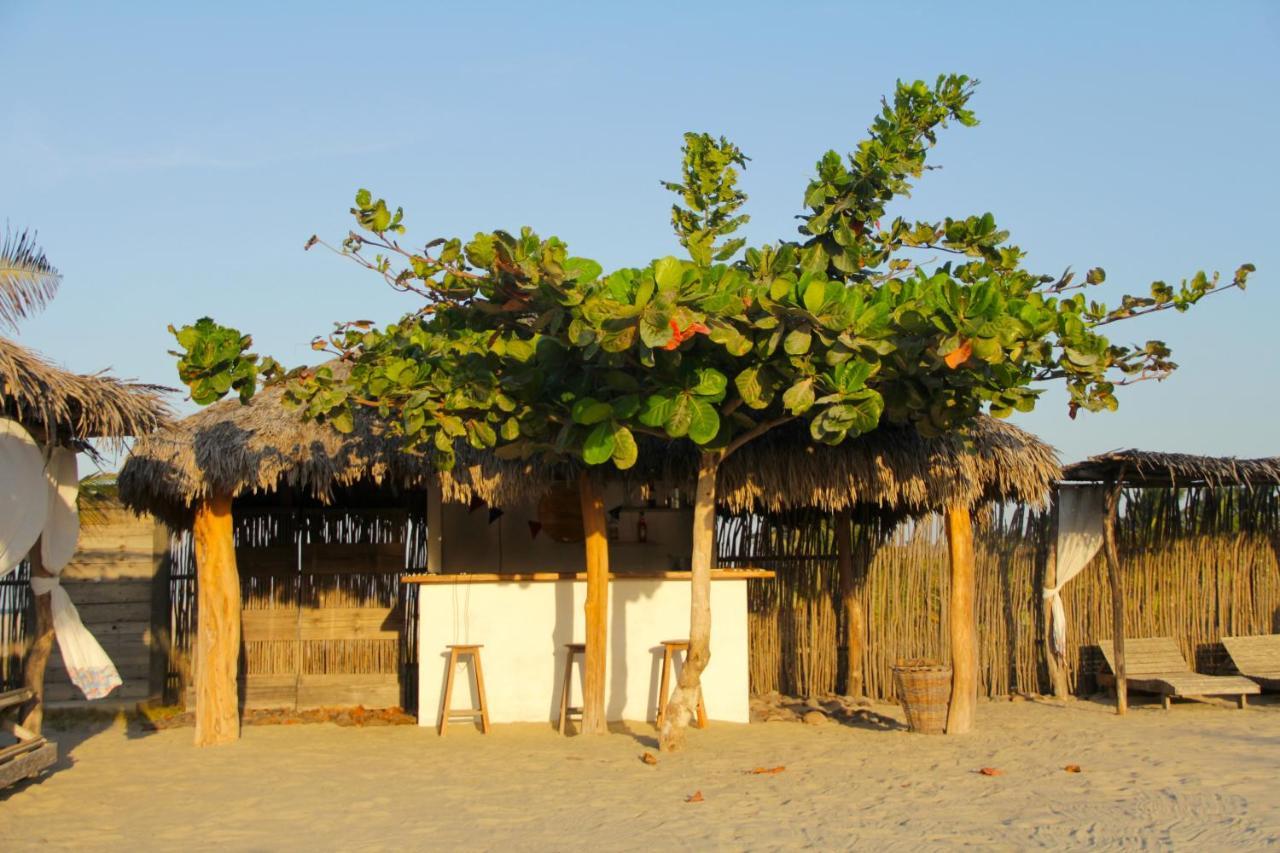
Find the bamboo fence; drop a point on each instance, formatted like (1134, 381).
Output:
(1198, 565)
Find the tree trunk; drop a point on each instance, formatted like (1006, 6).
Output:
(41, 648)
(1055, 663)
(1117, 592)
(855, 626)
(684, 700)
(218, 634)
(596, 606)
(964, 635)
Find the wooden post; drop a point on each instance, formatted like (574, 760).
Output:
(218, 633)
(1111, 509)
(596, 606)
(684, 699)
(964, 634)
(41, 647)
(1055, 664)
(854, 621)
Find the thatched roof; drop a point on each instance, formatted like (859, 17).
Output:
(1181, 470)
(236, 449)
(892, 468)
(66, 407)
(260, 447)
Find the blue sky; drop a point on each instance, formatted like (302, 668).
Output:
(175, 160)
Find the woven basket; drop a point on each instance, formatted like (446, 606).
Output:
(925, 690)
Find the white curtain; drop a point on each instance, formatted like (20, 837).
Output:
(87, 664)
(22, 487)
(1080, 525)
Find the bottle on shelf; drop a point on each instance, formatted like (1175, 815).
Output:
(642, 529)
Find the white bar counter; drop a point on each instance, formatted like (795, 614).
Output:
(524, 621)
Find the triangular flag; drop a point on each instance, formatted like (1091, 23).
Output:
(494, 515)
(535, 527)
(475, 504)
(615, 512)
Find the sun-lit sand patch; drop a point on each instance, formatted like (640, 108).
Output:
(1200, 775)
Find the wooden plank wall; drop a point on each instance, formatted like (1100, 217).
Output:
(110, 580)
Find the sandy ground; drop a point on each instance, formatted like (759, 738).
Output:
(1201, 776)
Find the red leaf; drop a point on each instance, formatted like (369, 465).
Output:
(959, 355)
(991, 771)
(695, 797)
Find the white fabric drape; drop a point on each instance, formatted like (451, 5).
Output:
(88, 666)
(1080, 524)
(22, 486)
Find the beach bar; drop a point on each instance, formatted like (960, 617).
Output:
(525, 622)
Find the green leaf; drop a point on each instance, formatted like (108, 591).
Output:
(704, 423)
(598, 447)
(625, 451)
(510, 429)
(589, 411)
(798, 399)
(656, 411)
(582, 269)
(797, 341)
(668, 272)
(680, 417)
(815, 295)
(711, 382)
(752, 387)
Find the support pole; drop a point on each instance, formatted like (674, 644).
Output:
(596, 606)
(41, 647)
(964, 634)
(1117, 591)
(218, 634)
(855, 626)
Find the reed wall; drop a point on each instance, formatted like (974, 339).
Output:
(1197, 567)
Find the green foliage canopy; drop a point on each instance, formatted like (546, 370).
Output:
(520, 346)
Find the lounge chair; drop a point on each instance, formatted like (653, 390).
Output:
(1257, 658)
(1156, 665)
(32, 753)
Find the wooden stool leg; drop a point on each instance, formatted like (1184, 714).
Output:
(662, 688)
(448, 691)
(564, 690)
(484, 703)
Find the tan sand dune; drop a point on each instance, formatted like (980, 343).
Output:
(1203, 778)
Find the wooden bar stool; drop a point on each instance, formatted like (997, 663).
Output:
(571, 650)
(455, 652)
(670, 647)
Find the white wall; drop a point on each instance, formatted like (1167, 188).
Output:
(524, 627)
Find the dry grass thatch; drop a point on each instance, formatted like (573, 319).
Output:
(1181, 470)
(70, 407)
(893, 468)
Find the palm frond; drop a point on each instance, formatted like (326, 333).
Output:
(27, 280)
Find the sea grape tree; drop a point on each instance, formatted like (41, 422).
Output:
(521, 348)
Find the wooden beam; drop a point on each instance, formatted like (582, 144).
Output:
(596, 605)
(854, 619)
(1111, 509)
(218, 632)
(964, 633)
(41, 646)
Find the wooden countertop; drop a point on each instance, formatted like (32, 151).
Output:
(545, 577)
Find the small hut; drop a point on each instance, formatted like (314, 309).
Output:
(259, 475)
(1113, 472)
